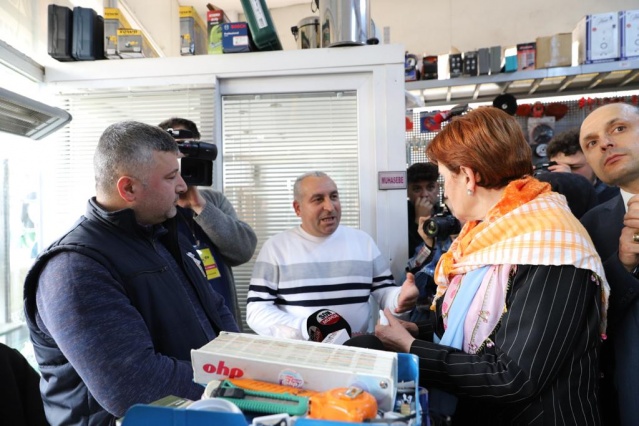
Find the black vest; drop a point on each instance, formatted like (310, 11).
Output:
(128, 251)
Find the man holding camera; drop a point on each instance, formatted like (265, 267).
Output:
(115, 306)
(423, 197)
(321, 264)
(210, 222)
(426, 245)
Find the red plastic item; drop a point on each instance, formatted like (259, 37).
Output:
(537, 110)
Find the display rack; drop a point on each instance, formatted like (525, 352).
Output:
(591, 78)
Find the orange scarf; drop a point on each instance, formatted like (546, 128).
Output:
(529, 225)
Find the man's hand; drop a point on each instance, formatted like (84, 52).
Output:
(423, 207)
(628, 248)
(408, 295)
(420, 230)
(192, 199)
(411, 327)
(564, 168)
(394, 335)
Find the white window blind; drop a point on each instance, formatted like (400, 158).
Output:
(267, 142)
(71, 180)
(271, 139)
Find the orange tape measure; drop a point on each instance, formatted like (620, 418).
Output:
(350, 404)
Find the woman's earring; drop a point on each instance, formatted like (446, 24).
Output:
(469, 192)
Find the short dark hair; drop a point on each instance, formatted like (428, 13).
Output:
(127, 147)
(181, 122)
(297, 193)
(420, 172)
(566, 143)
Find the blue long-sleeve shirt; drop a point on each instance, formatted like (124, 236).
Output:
(105, 338)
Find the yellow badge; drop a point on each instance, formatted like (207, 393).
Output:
(210, 266)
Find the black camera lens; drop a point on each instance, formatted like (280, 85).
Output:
(543, 168)
(442, 226)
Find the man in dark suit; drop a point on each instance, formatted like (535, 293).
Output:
(609, 138)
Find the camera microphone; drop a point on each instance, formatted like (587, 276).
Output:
(196, 167)
(324, 322)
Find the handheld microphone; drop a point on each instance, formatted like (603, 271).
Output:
(324, 322)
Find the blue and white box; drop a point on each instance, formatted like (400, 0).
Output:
(236, 37)
(596, 38)
(629, 23)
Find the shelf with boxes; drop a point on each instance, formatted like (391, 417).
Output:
(603, 49)
(591, 78)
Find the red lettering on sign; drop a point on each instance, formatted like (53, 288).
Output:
(223, 370)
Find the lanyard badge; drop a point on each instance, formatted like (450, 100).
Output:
(208, 261)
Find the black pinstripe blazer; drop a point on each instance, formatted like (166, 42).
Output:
(604, 224)
(543, 366)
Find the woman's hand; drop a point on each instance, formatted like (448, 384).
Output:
(394, 335)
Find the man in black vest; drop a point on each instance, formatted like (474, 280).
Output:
(115, 306)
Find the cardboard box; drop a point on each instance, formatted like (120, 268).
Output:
(214, 20)
(297, 363)
(629, 24)
(455, 65)
(193, 32)
(236, 38)
(526, 56)
(133, 44)
(596, 38)
(510, 59)
(113, 21)
(554, 51)
(495, 60)
(470, 67)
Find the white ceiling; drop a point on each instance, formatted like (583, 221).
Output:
(236, 5)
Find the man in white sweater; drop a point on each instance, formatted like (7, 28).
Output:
(321, 264)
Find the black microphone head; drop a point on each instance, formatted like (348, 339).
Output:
(323, 322)
(368, 341)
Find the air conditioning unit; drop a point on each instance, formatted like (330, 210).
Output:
(23, 116)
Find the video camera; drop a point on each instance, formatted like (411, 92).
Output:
(196, 167)
(543, 168)
(442, 225)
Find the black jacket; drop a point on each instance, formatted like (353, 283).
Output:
(539, 366)
(20, 401)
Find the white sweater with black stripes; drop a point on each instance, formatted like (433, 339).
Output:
(297, 274)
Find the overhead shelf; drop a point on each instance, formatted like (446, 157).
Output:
(591, 78)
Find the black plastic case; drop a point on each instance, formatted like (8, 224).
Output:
(88, 35)
(60, 32)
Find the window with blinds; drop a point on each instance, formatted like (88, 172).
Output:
(271, 139)
(71, 180)
(268, 140)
